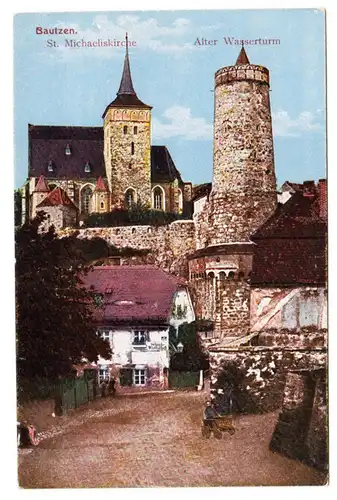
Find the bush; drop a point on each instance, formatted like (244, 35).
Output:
(133, 217)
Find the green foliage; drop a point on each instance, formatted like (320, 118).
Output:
(98, 248)
(193, 357)
(54, 320)
(179, 312)
(135, 216)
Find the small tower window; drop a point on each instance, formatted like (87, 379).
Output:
(135, 130)
(132, 148)
(67, 151)
(102, 204)
(125, 129)
(50, 166)
(87, 167)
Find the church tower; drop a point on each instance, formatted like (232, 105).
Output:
(243, 196)
(127, 144)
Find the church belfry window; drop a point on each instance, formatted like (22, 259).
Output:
(67, 150)
(132, 148)
(87, 167)
(135, 130)
(158, 199)
(50, 166)
(125, 129)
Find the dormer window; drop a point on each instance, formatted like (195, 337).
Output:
(50, 166)
(87, 167)
(67, 151)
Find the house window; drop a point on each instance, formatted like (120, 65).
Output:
(129, 198)
(139, 377)
(125, 129)
(139, 337)
(67, 151)
(158, 199)
(50, 166)
(85, 199)
(132, 148)
(103, 374)
(135, 130)
(87, 167)
(105, 335)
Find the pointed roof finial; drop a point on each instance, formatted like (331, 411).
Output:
(243, 58)
(126, 86)
(100, 185)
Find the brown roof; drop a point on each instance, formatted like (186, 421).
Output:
(133, 293)
(201, 190)
(290, 245)
(41, 186)
(56, 197)
(48, 143)
(242, 58)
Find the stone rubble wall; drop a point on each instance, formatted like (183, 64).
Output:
(169, 245)
(259, 372)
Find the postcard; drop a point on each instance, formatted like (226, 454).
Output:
(171, 247)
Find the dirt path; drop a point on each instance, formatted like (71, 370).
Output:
(155, 440)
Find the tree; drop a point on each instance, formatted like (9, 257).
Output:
(55, 327)
(192, 358)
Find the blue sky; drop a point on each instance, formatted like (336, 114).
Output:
(65, 86)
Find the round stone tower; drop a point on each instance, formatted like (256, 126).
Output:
(243, 196)
(244, 186)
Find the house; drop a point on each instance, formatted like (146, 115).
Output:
(135, 307)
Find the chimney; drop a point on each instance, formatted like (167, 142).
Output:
(323, 198)
(309, 188)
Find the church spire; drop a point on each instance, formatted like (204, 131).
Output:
(126, 86)
(243, 58)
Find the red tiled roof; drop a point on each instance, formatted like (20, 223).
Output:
(55, 198)
(41, 186)
(133, 293)
(290, 246)
(100, 186)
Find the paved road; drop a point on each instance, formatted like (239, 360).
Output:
(155, 440)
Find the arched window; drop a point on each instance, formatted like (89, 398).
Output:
(180, 200)
(130, 198)
(102, 204)
(135, 130)
(86, 199)
(158, 198)
(125, 129)
(132, 148)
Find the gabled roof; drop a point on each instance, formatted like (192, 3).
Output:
(100, 186)
(133, 293)
(57, 197)
(291, 244)
(41, 186)
(163, 168)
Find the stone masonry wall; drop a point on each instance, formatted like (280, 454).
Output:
(169, 245)
(259, 373)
